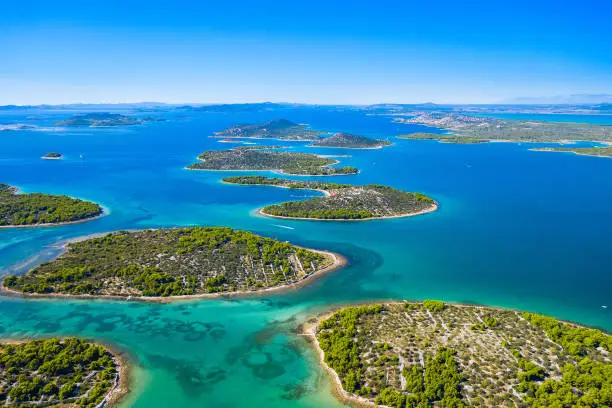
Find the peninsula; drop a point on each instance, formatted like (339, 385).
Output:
(342, 201)
(52, 156)
(105, 119)
(490, 128)
(173, 262)
(350, 141)
(583, 151)
(37, 209)
(58, 373)
(430, 353)
(255, 158)
(281, 129)
(442, 138)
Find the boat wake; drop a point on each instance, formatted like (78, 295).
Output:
(283, 226)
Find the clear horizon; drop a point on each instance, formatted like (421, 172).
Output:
(68, 52)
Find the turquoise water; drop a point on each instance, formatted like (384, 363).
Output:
(515, 228)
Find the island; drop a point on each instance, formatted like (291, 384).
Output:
(52, 156)
(59, 373)
(281, 129)
(9, 127)
(256, 158)
(583, 151)
(174, 262)
(434, 354)
(342, 201)
(105, 119)
(350, 141)
(442, 138)
(37, 209)
(490, 128)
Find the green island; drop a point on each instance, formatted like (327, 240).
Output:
(260, 147)
(489, 128)
(58, 373)
(105, 119)
(442, 138)
(350, 141)
(584, 151)
(33, 209)
(434, 354)
(256, 158)
(173, 262)
(281, 129)
(342, 201)
(52, 156)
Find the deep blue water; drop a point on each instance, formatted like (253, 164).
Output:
(515, 228)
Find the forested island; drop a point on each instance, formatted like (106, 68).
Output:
(256, 158)
(105, 119)
(350, 141)
(52, 156)
(490, 128)
(584, 151)
(57, 373)
(173, 262)
(33, 209)
(342, 201)
(432, 354)
(281, 129)
(442, 138)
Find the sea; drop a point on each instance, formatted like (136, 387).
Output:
(515, 229)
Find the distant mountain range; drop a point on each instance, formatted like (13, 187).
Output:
(576, 99)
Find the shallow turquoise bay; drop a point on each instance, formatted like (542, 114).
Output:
(515, 228)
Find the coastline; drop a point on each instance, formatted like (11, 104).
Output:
(544, 149)
(262, 138)
(325, 192)
(425, 211)
(279, 171)
(339, 262)
(309, 330)
(121, 384)
(103, 213)
(352, 148)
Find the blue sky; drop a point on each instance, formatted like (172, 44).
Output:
(307, 51)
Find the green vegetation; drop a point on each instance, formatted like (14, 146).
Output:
(259, 147)
(433, 305)
(342, 202)
(350, 141)
(280, 182)
(171, 262)
(261, 159)
(443, 138)
(489, 128)
(104, 119)
(52, 155)
(429, 354)
(586, 151)
(37, 208)
(53, 373)
(281, 129)
(575, 340)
